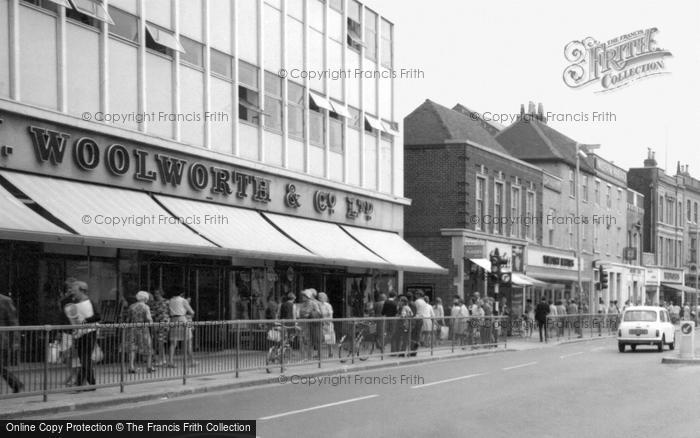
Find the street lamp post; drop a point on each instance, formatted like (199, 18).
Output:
(580, 149)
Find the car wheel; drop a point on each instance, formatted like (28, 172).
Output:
(620, 347)
(661, 344)
(633, 347)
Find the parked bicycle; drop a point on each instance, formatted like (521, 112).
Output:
(361, 344)
(283, 339)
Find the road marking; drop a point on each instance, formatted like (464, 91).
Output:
(446, 381)
(598, 348)
(520, 366)
(569, 355)
(313, 408)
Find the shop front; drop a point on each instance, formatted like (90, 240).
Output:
(672, 288)
(558, 273)
(130, 214)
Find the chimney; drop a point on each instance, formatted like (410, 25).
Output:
(650, 161)
(540, 113)
(522, 110)
(531, 108)
(679, 169)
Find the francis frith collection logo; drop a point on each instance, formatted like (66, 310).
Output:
(615, 63)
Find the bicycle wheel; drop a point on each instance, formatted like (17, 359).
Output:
(364, 348)
(344, 349)
(271, 358)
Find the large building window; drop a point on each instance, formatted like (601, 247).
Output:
(221, 63)
(695, 212)
(355, 119)
(480, 201)
(693, 250)
(370, 35)
(295, 110)
(570, 231)
(669, 212)
(584, 188)
(661, 208)
(355, 25)
(597, 192)
(572, 184)
(161, 40)
(498, 208)
(515, 211)
(248, 93)
(660, 251)
(596, 232)
(688, 212)
(387, 44)
(608, 198)
(273, 101)
(550, 230)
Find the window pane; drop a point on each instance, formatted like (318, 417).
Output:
(248, 106)
(273, 113)
(355, 121)
(273, 84)
(336, 135)
(193, 51)
(316, 128)
(354, 10)
(371, 35)
(296, 121)
(248, 74)
(295, 93)
(221, 63)
(336, 4)
(125, 25)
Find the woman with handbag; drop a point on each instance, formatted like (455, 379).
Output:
(310, 309)
(327, 328)
(82, 311)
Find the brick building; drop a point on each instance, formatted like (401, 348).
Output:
(470, 197)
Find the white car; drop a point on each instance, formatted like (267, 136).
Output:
(645, 325)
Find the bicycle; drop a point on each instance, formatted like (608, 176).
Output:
(282, 348)
(360, 344)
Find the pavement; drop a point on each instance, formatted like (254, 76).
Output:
(109, 397)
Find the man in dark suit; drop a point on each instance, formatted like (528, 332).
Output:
(8, 317)
(541, 312)
(390, 310)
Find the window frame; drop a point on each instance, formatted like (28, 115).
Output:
(114, 12)
(480, 196)
(249, 88)
(498, 200)
(294, 106)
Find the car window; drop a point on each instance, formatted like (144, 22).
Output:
(640, 316)
(663, 316)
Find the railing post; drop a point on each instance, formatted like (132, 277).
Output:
(283, 347)
(45, 383)
(452, 332)
(352, 340)
(237, 358)
(320, 340)
(432, 333)
(382, 340)
(121, 339)
(184, 352)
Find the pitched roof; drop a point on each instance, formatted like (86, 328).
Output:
(532, 140)
(492, 127)
(432, 123)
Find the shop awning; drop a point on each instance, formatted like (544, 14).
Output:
(680, 287)
(328, 241)
(17, 218)
(107, 216)
(483, 263)
(392, 248)
(244, 232)
(520, 280)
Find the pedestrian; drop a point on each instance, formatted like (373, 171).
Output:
(439, 312)
(272, 307)
(561, 314)
(328, 329)
(139, 337)
(390, 310)
(486, 329)
(424, 317)
(602, 311)
(161, 316)
(416, 325)
(180, 313)
(310, 309)
(82, 311)
(9, 341)
(529, 317)
(541, 312)
(686, 312)
(69, 355)
(378, 307)
(475, 322)
(287, 308)
(405, 315)
(572, 311)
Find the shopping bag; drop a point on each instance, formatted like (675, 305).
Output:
(97, 354)
(53, 355)
(444, 332)
(274, 335)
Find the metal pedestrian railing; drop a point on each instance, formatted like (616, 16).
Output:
(42, 360)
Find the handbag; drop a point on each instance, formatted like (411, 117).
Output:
(444, 332)
(53, 355)
(274, 335)
(97, 354)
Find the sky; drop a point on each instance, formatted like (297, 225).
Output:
(492, 56)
